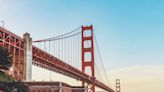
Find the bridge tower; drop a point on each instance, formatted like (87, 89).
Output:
(118, 88)
(88, 38)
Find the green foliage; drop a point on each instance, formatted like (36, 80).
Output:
(14, 86)
(5, 57)
(5, 77)
(7, 82)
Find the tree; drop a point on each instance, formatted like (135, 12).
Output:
(15, 86)
(5, 58)
(7, 82)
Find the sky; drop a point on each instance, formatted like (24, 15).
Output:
(132, 31)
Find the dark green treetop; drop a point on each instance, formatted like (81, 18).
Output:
(5, 58)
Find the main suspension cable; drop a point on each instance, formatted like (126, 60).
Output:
(60, 36)
(100, 56)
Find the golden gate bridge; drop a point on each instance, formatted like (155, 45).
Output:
(74, 54)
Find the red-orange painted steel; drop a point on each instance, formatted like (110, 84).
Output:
(89, 64)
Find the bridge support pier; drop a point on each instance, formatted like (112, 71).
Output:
(60, 87)
(28, 56)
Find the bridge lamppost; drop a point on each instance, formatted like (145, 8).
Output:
(3, 24)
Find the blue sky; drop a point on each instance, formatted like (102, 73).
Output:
(132, 29)
(129, 32)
